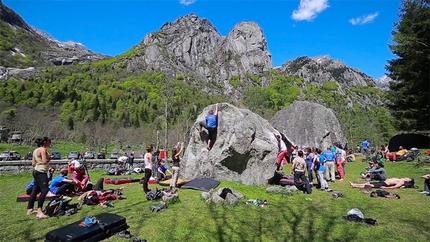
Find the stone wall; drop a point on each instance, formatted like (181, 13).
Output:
(25, 166)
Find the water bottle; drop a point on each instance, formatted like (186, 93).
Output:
(368, 180)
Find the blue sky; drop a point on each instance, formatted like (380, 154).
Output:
(354, 31)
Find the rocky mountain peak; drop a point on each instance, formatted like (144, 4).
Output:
(190, 21)
(12, 18)
(192, 44)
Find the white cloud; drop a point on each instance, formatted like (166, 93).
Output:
(187, 2)
(366, 19)
(309, 9)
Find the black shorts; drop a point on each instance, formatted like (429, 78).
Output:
(212, 133)
(378, 184)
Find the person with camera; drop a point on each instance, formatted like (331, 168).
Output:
(40, 163)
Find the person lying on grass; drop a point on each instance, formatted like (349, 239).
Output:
(387, 184)
(99, 191)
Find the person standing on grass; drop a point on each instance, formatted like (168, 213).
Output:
(40, 162)
(365, 145)
(330, 158)
(177, 151)
(149, 166)
(321, 170)
(340, 161)
(299, 168)
(282, 151)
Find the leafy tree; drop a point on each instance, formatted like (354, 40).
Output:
(409, 92)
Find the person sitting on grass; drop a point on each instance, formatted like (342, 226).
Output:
(391, 183)
(376, 173)
(162, 170)
(350, 157)
(81, 179)
(71, 166)
(30, 185)
(426, 184)
(61, 184)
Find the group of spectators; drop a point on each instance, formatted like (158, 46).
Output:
(43, 181)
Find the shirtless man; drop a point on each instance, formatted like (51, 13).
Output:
(387, 184)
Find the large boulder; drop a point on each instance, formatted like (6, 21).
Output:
(245, 149)
(309, 124)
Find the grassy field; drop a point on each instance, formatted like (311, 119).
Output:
(286, 218)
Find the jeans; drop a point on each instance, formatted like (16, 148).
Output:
(146, 178)
(323, 182)
(310, 175)
(40, 184)
(174, 179)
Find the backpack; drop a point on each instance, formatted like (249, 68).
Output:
(112, 171)
(154, 195)
(412, 155)
(60, 206)
(224, 192)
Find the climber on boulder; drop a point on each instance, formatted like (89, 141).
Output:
(211, 125)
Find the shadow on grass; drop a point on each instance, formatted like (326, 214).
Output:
(297, 223)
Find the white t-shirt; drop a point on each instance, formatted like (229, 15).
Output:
(123, 159)
(282, 145)
(341, 154)
(146, 160)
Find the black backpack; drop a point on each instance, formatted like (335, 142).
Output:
(224, 192)
(60, 206)
(154, 195)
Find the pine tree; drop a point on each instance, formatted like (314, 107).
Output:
(409, 92)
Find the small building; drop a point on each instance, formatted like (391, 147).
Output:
(4, 134)
(15, 137)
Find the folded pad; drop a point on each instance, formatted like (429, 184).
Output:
(287, 182)
(121, 181)
(25, 197)
(179, 183)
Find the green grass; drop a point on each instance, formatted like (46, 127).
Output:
(286, 218)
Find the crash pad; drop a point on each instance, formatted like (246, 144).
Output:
(286, 181)
(25, 197)
(120, 181)
(202, 184)
(179, 183)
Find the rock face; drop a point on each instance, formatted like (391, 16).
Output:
(318, 70)
(383, 82)
(322, 69)
(309, 124)
(245, 149)
(193, 47)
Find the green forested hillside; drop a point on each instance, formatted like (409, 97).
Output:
(26, 42)
(105, 93)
